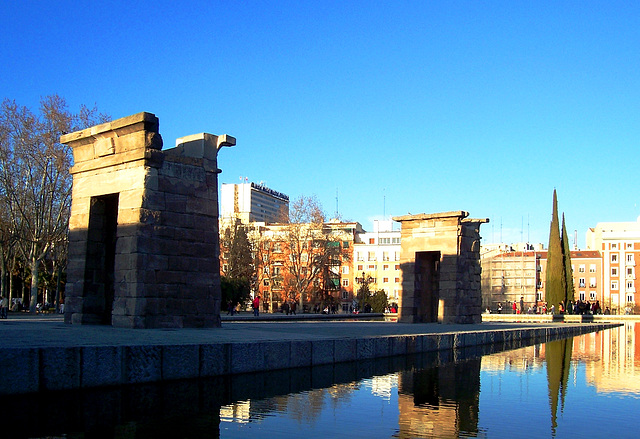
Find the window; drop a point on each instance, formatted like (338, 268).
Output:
(629, 271)
(385, 280)
(629, 286)
(581, 268)
(385, 256)
(276, 270)
(225, 267)
(345, 294)
(384, 241)
(397, 280)
(614, 284)
(592, 282)
(371, 256)
(395, 240)
(385, 267)
(581, 282)
(614, 257)
(345, 244)
(581, 295)
(592, 295)
(396, 256)
(614, 271)
(629, 245)
(397, 266)
(277, 247)
(360, 257)
(265, 282)
(614, 246)
(592, 268)
(630, 298)
(345, 269)
(371, 267)
(345, 282)
(372, 240)
(629, 257)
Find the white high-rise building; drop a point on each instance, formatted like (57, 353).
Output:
(251, 202)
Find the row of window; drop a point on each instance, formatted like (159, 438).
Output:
(629, 257)
(614, 246)
(373, 267)
(371, 256)
(630, 272)
(630, 285)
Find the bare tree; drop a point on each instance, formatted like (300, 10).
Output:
(34, 176)
(312, 252)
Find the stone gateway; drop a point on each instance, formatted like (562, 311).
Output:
(440, 263)
(143, 230)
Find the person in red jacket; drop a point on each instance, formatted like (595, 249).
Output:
(256, 306)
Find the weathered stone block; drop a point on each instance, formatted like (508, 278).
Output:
(20, 371)
(180, 362)
(101, 366)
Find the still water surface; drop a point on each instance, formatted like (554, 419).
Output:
(588, 386)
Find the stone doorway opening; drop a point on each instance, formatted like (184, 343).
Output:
(427, 278)
(99, 275)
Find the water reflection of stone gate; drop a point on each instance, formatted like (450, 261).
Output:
(440, 263)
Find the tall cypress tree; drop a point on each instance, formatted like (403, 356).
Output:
(568, 272)
(555, 285)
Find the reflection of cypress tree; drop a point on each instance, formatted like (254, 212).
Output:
(555, 279)
(568, 272)
(558, 357)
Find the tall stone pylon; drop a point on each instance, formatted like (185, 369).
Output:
(143, 230)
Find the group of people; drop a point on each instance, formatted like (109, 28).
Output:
(578, 307)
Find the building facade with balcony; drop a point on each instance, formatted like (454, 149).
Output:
(619, 245)
(377, 258)
(509, 275)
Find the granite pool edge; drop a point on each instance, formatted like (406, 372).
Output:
(31, 370)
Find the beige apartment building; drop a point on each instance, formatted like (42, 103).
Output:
(377, 259)
(619, 245)
(509, 275)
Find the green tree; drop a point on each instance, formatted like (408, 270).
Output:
(234, 291)
(364, 292)
(568, 271)
(379, 301)
(555, 284)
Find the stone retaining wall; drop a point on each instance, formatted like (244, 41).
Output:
(29, 370)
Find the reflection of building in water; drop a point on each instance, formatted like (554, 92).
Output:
(439, 402)
(383, 386)
(303, 406)
(236, 412)
(612, 358)
(523, 359)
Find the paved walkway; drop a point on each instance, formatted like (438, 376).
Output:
(49, 330)
(42, 353)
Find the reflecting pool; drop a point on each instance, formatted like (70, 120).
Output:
(586, 386)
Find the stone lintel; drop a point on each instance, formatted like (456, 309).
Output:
(201, 145)
(111, 126)
(476, 220)
(427, 216)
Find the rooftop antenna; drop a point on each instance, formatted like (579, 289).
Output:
(575, 239)
(384, 204)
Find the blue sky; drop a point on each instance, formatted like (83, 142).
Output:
(395, 106)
